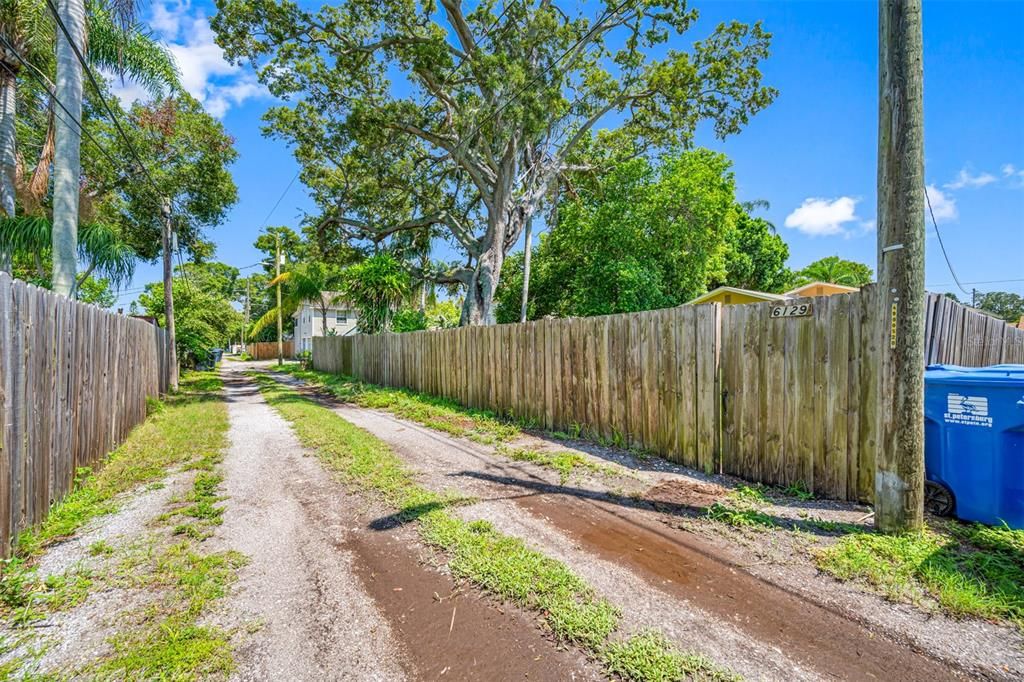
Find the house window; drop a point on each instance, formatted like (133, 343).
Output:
(341, 316)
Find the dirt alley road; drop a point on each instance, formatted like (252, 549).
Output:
(661, 577)
(324, 597)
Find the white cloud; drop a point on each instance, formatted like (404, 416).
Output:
(818, 217)
(205, 73)
(167, 21)
(943, 205)
(1009, 170)
(965, 179)
(126, 90)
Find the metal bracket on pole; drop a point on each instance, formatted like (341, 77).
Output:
(894, 247)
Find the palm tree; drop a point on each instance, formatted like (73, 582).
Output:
(100, 247)
(67, 167)
(27, 36)
(314, 282)
(835, 270)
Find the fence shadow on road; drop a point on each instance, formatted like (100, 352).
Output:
(533, 487)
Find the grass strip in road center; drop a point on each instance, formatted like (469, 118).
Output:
(498, 563)
(447, 416)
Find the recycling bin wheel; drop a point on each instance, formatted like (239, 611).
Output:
(938, 499)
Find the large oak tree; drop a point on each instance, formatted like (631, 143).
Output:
(405, 115)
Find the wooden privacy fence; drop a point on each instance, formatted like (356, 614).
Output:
(733, 389)
(73, 382)
(267, 350)
(958, 335)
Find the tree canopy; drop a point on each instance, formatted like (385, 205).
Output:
(755, 256)
(407, 115)
(1007, 306)
(834, 270)
(645, 236)
(204, 316)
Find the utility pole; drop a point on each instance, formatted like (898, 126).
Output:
(245, 329)
(899, 474)
(168, 240)
(526, 268)
(277, 276)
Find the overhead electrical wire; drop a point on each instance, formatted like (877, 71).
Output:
(46, 85)
(99, 91)
(942, 246)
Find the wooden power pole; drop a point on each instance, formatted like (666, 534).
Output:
(280, 326)
(245, 329)
(168, 241)
(899, 474)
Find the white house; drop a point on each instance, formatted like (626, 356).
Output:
(341, 320)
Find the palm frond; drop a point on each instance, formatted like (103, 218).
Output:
(131, 51)
(110, 256)
(25, 234)
(270, 317)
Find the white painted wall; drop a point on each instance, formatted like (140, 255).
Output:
(340, 321)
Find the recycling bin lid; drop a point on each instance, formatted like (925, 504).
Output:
(993, 374)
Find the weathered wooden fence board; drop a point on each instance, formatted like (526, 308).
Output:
(73, 382)
(780, 400)
(267, 350)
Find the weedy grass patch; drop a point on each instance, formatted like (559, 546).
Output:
(435, 413)
(648, 656)
(500, 564)
(564, 462)
(742, 508)
(191, 424)
(967, 569)
(164, 640)
(449, 417)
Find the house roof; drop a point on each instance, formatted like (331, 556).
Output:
(810, 285)
(328, 295)
(763, 295)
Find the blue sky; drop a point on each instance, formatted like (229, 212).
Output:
(811, 154)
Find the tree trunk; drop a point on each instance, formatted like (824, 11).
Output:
(899, 476)
(478, 308)
(526, 270)
(323, 321)
(67, 165)
(8, 158)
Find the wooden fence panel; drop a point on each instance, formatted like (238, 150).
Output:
(73, 382)
(731, 389)
(267, 350)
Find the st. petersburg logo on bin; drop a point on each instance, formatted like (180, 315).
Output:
(969, 410)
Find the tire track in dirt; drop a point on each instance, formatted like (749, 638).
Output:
(783, 628)
(339, 600)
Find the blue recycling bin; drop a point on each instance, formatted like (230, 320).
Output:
(974, 442)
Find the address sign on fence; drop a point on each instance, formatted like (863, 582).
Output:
(799, 310)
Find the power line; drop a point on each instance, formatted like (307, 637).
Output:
(42, 81)
(280, 199)
(989, 281)
(942, 246)
(103, 100)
